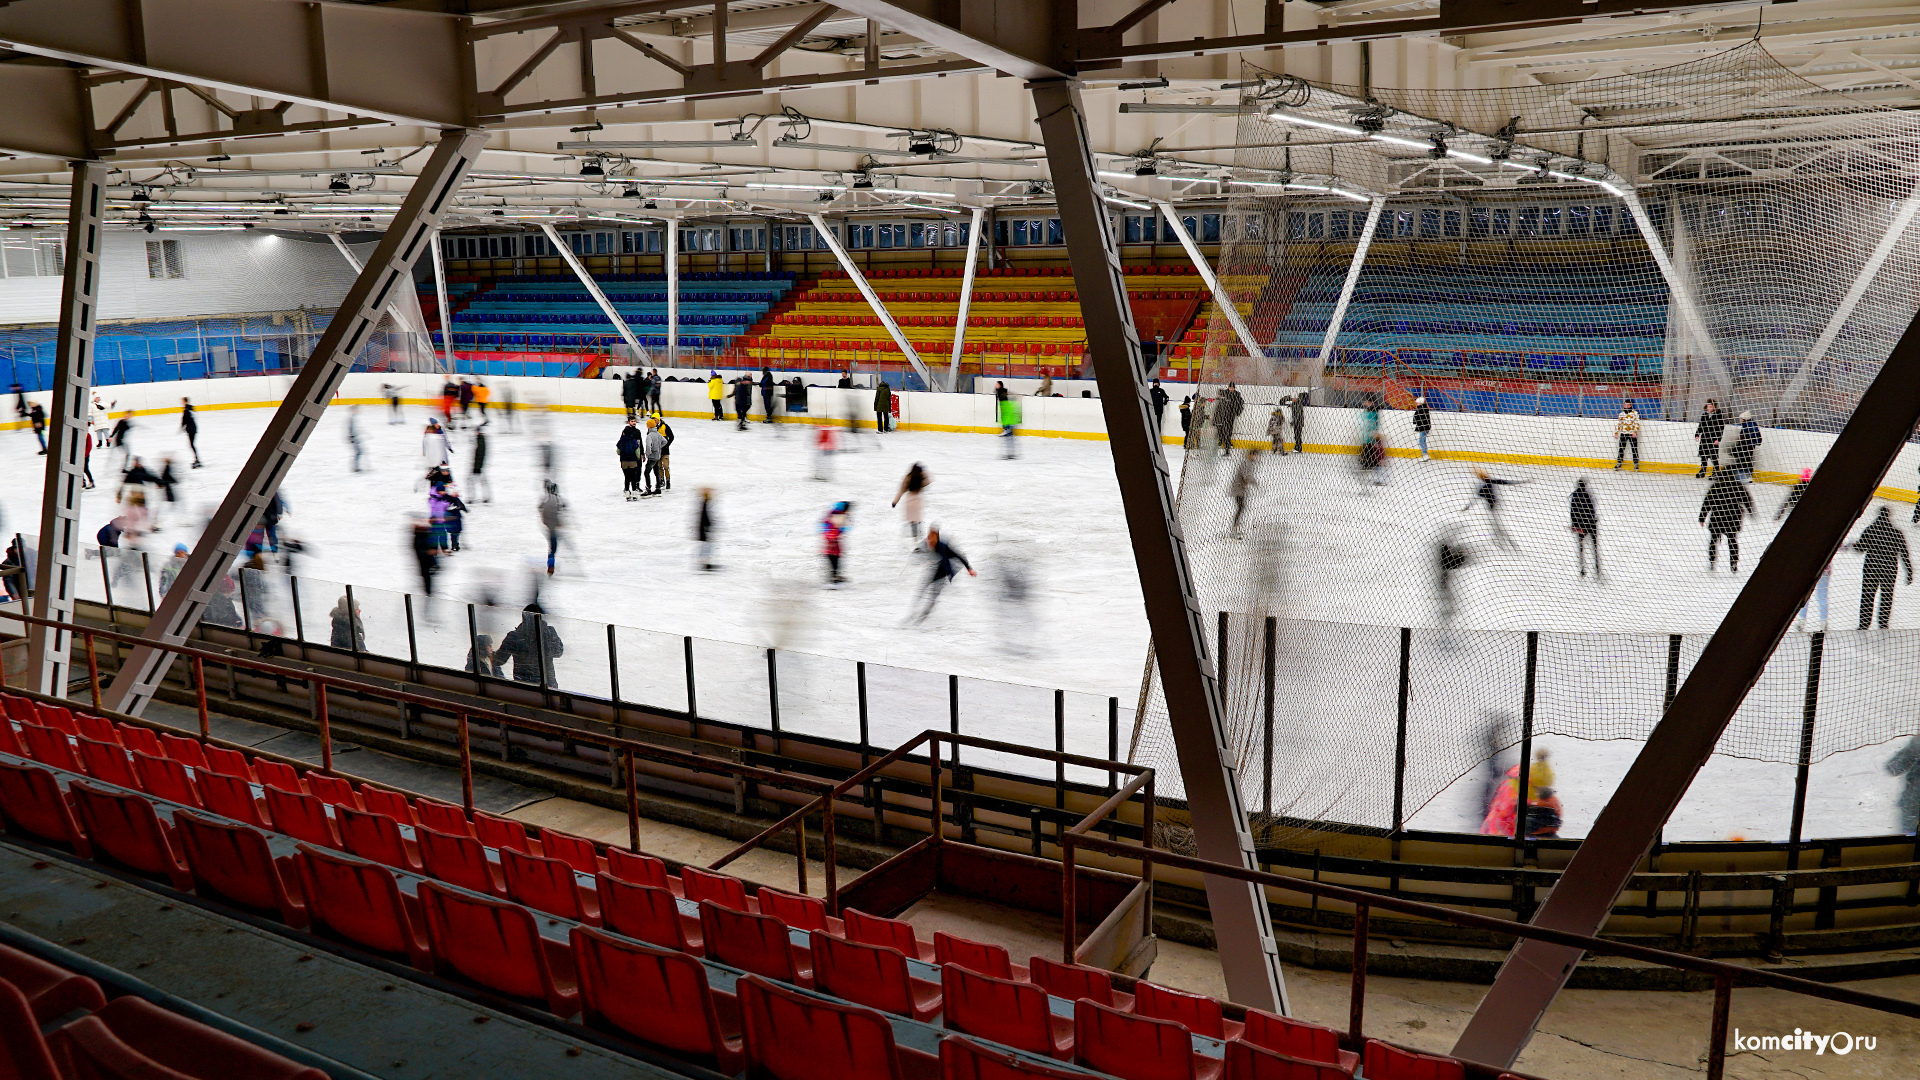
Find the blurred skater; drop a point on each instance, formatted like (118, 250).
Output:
(553, 518)
(191, 427)
(1297, 405)
(1241, 485)
(742, 401)
(1186, 422)
(1884, 549)
(1707, 433)
(1277, 430)
(1009, 427)
(1745, 446)
(1503, 815)
(37, 418)
(392, 394)
(1450, 555)
(1159, 399)
(910, 500)
(766, 394)
(833, 532)
(353, 435)
(426, 554)
(705, 531)
(1905, 764)
(882, 407)
(1584, 520)
(1721, 512)
(1489, 492)
(477, 468)
(434, 446)
(947, 564)
(1799, 488)
(824, 444)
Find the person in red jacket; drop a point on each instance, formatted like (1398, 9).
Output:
(833, 531)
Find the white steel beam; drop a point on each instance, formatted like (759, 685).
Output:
(673, 292)
(873, 300)
(395, 309)
(1220, 297)
(966, 298)
(1693, 328)
(389, 269)
(1374, 213)
(440, 298)
(1862, 281)
(640, 354)
(58, 568)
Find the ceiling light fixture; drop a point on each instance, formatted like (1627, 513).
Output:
(339, 184)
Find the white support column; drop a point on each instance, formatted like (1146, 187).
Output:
(966, 298)
(873, 300)
(1693, 328)
(440, 296)
(1374, 212)
(57, 571)
(640, 355)
(294, 422)
(673, 292)
(1220, 298)
(395, 309)
(1902, 218)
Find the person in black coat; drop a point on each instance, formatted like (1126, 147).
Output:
(1707, 433)
(1159, 399)
(1297, 405)
(1721, 512)
(348, 631)
(37, 417)
(191, 426)
(1584, 520)
(531, 648)
(742, 401)
(1885, 549)
(766, 394)
(628, 447)
(1225, 412)
(1423, 426)
(630, 391)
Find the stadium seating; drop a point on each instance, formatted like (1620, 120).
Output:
(548, 885)
(377, 837)
(728, 892)
(985, 959)
(533, 312)
(498, 945)
(658, 996)
(1384, 1062)
(133, 1038)
(1245, 1061)
(790, 1036)
(872, 975)
(1013, 1014)
(124, 828)
(231, 797)
(1137, 1047)
(756, 943)
(50, 991)
(799, 912)
(875, 930)
(460, 860)
(1075, 981)
(233, 862)
(1201, 1015)
(648, 914)
(1299, 1039)
(361, 902)
(301, 816)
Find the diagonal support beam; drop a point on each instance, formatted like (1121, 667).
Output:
(388, 270)
(394, 309)
(966, 297)
(873, 299)
(58, 568)
(1693, 328)
(1220, 298)
(1374, 213)
(1862, 281)
(1195, 708)
(1680, 744)
(673, 292)
(446, 309)
(793, 37)
(640, 354)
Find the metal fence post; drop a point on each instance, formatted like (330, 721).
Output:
(1816, 647)
(293, 590)
(860, 687)
(953, 720)
(1059, 747)
(693, 709)
(1113, 742)
(1400, 733)
(146, 572)
(1266, 719)
(413, 643)
(613, 668)
(773, 691)
(354, 629)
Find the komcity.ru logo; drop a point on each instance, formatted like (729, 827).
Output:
(1840, 1042)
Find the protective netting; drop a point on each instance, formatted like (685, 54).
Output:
(1525, 262)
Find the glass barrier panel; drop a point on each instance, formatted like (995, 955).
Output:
(1007, 712)
(1087, 731)
(384, 614)
(324, 616)
(653, 668)
(440, 632)
(819, 695)
(731, 683)
(902, 703)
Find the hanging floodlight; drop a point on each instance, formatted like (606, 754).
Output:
(632, 191)
(339, 184)
(592, 168)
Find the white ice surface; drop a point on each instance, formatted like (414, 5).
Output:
(1349, 552)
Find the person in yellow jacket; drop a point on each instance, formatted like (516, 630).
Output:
(1627, 430)
(716, 390)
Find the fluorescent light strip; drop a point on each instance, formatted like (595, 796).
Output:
(797, 187)
(1128, 203)
(1277, 116)
(1414, 144)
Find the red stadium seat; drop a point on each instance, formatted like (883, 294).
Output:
(875, 930)
(548, 885)
(1245, 1061)
(58, 717)
(391, 803)
(722, 889)
(361, 902)
(333, 791)
(639, 869)
(23, 1052)
(790, 1036)
(442, 817)
(1298, 1039)
(232, 797)
(572, 850)
(133, 1039)
(657, 996)
(377, 837)
(755, 943)
(145, 740)
(647, 913)
(975, 956)
(165, 778)
(1200, 1014)
(459, 860)
(10, 738)
(125, 828)
(50, 990)
(228, 762)
(107, 761)
(1384, 1062)
(1004, 1011)
(872, 975)
(234, 862)
(963, 1059)
(1137, 1048)
(1076, 981)
(499, 832)
(275, 774)
(97, 728)
(31, 805)
(183, 750)
(800, 912)
(50, 747)
(498, 945)
(302, 817)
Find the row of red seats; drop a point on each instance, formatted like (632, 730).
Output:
(985, 297)
(129, 1038)
(973, 348)
(1036, 321)
(1011, 271)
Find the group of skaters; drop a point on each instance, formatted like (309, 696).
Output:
(1226, 410)
(775, 393)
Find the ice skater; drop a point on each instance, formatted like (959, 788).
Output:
(947, 564)
(1584, 520)
(1626, 432)
(911, 500)
(1450, 555)
(1793, 496)
(766, 395)
(531, 647)
(706, 532)
(434, 446)
(553, 518)
(742, 402)
(1277, 430)
(630, 394)
(1745, 445)
(477, 468)
(353, 435)
(1721, 512)
(392, 394)
(824, 444)
(1905, 764)
(190, 425)
(1009, 427)
(716, 392)
(426, 554)
(1422, 425)
(664, 466)
(1885, 549)
(1186, 422)
(1489, 493)
(653, 448)
(123, 431)
(1240, 486)
(1159, 399)
(37, 418)
(1226, 412)
(1297, 407)
(628, 449)
(1707, 433)
(833, 533)
(882, 407)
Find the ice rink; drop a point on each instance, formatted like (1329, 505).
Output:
(1344, 551)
